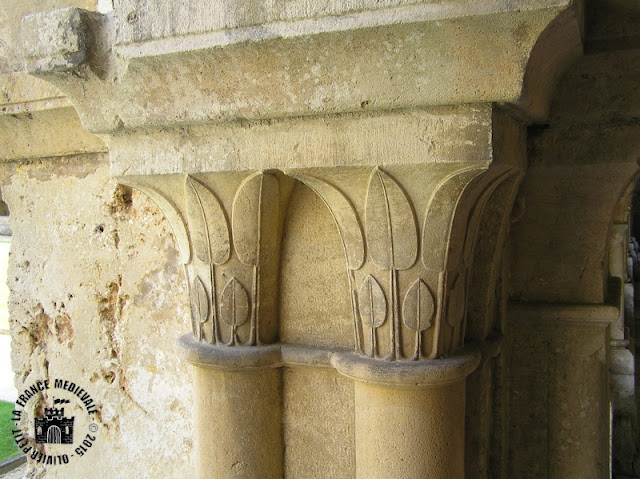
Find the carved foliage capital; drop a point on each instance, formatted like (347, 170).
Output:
(407, 234)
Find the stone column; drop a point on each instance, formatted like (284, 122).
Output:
(410, 417)
(237, 410)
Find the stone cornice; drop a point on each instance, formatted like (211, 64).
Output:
(130, 69)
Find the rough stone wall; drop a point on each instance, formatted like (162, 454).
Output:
(98, 297)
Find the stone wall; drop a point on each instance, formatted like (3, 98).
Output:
(97, 298)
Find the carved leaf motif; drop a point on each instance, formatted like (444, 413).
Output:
(439, 218)
(234, 304)
(392, 234)
(200, 306)
(418, 307)
(372, 303)
(344, 216)
(255, 230)
(209, 227)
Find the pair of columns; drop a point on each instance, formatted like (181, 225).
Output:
(407, 280)
(409, 417)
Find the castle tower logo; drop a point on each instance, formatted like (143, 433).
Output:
(54, 428)
(55, 421)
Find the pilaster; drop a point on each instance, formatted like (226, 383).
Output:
(559, 394)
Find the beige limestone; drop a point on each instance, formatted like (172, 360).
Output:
(408, 417)
(37, 120)
(318, 423)
(238, 423)
(434, 135)
(396, 438)
(339, 179)
(424, 54)
(11, 57)
(88, 304)
(311, 306)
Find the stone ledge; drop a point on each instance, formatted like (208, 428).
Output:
(442, 135)
(409, 374)
(397, 374)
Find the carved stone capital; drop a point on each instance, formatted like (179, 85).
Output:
(408, 234)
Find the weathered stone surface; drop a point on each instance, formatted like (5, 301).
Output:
(407, 56)
(11, 55)
(37, 120)
(439, 135)
(318, 416)
(89, 304)
(59, 42)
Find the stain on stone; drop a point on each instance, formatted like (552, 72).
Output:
(156, 282)
(64, 329)
(121, 202)
(111, 305)
(108, 425)
(521, 32)
(40, 330)
(108, 376)
(110, 309)
(239, 466)
(77, 166)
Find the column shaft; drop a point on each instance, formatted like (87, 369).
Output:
(238, 423)
(410, 433)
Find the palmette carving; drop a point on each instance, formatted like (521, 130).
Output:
(373, 309)
(418, 310)
(234, 307)
(423, 300)
(255, 233)
(438, 223)
(199, 305)
(392, 239)
(207, 223)
(209, 238)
